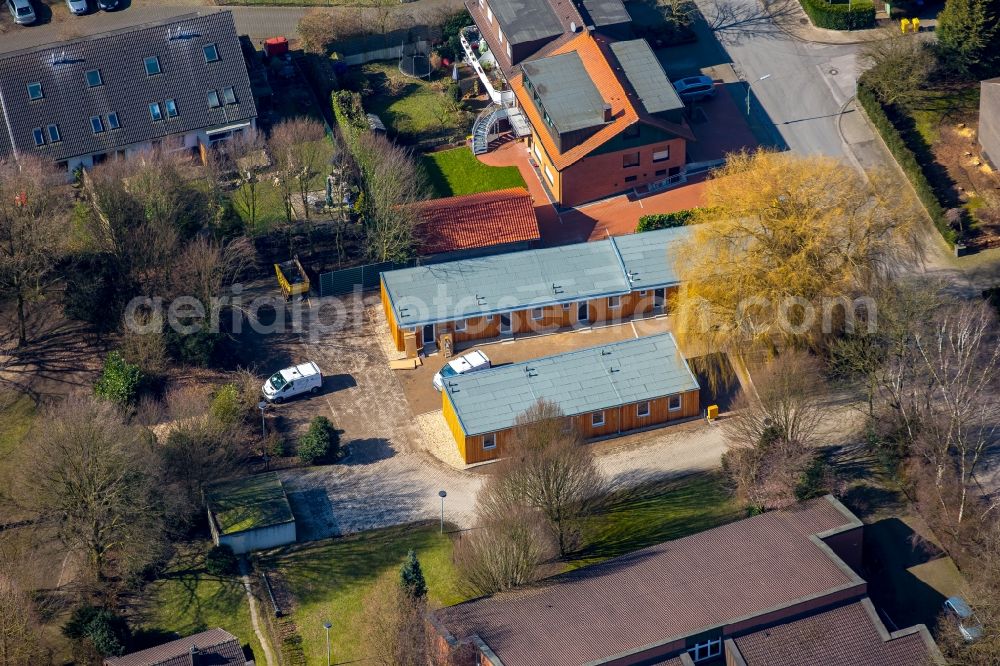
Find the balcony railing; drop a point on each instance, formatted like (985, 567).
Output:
(502, 98)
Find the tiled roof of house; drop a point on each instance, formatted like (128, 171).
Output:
(578, 382)
(216, 647)
(626, 107)
(477, 220)
(850, 635)
(668, 591)
(69, 101)
(533, 278)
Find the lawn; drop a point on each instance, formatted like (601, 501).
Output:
(416, 111)
(270, 208)
(186, 600)
(457, 171)
(329, 579)
(17, 412)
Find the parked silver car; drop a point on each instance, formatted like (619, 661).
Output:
(77, 6)
(694, 88)
(22, 11)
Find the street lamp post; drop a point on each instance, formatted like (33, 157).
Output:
(262, 405)
(766, 76)
(442, 494)
(327, 625)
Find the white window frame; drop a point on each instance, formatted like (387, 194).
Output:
(670, 403)
(500, 34)
(597, 419)
(489, 319)
(614, 302)
(661, 155)
(490, 437)
(461, 325)
(567, 306)
(510, 52)
(489, 14)
(708, 650)
(549, 176)
(639, 411)
(537, 314)
(644, 292)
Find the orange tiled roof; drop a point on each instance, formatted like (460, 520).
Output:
(477, 220)
(624, 111)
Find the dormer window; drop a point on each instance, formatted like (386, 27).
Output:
(171, 108)
(94, 78)
(155, 112)
(35, 91)
(54, 135)
(96, 124)
(228, 96)
(39, 136)
(211, 53)
(152, 64)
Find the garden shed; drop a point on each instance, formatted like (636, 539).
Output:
(250, 514)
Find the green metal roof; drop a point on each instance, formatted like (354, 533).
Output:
(249, 503)
(579, 382)
(532, 278)
(645, 73)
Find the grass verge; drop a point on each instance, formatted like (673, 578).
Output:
(186, 599)
(457, 171)
(17, 413)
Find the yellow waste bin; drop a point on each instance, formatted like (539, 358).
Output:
(916, 24)
(904, 25)
(712, 412)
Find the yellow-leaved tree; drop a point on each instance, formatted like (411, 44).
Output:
(783, 248)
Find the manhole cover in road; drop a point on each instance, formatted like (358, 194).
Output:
(834, 71)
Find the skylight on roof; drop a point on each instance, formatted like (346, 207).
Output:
(155, 112)
(35, 91)
(171, 108)
(213, 99)
(228, 96)
(113, 121)
(211, 53)
(54, 135)
(39, 136)
(94, 78)
(96, 124)
(152, 64)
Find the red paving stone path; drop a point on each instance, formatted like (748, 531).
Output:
(615, 216)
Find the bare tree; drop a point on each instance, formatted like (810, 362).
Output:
(317, 29)
(205, 267)
(19, 640)
(899, 67)
(300, 150)
(772, 432)
(94, 479)
(545, 468)
(246, 157)
(503, 552)
(394, 628)
(393, 182)
(958, 361)
(33, 222)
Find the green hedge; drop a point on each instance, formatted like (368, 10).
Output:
(665, 220)
(853, 16)
(906, 158)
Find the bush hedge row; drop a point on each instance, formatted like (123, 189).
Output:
(906, 159)
(664, 220)
(853, 16)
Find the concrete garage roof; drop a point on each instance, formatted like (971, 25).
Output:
(645, 73)
(250, 503)
(579, 382)
(566, 91)
(526, 20)
(606, 12)
(532, 278)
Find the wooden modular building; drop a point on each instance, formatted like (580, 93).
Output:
(532, 291)
(603, 391)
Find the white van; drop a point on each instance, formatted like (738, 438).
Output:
(471, 362)
(293, 381)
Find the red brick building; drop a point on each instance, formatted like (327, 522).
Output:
(778, 589)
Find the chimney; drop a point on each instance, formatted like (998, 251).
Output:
(607, 113)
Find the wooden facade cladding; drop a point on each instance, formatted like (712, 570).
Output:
(617, 421)
(551, 318)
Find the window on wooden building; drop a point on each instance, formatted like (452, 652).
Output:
(674, 403)
(642, 409)
(614, 302)
(597, 419)
(490, 441)
(460, 326)
(537, 313)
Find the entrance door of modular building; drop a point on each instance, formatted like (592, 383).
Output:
(430, 344)
(659, 300)
(583, 312)
(505, 324)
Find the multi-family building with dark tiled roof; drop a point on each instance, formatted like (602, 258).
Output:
(179, 84)
(779, 589)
